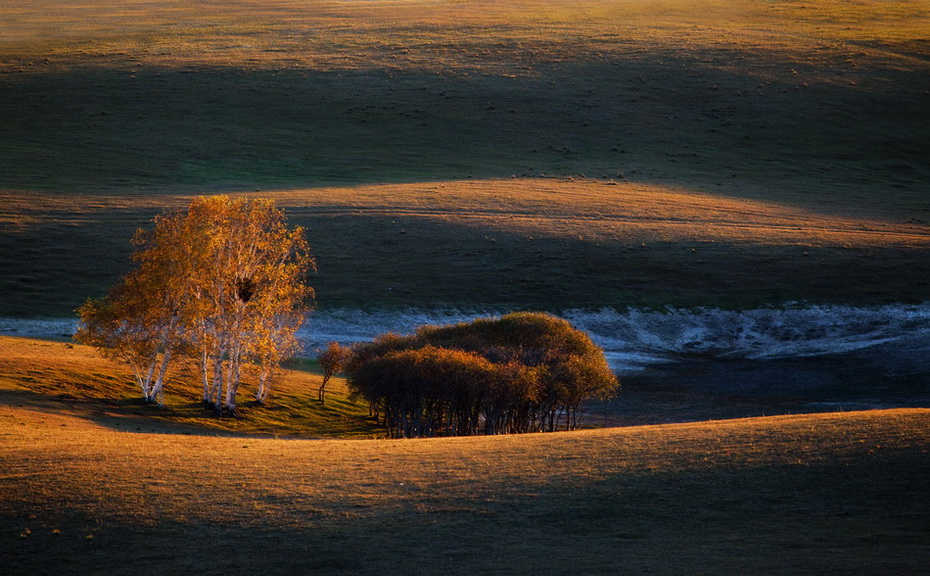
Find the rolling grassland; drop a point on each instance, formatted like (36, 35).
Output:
(828, 493)
(418, 114)
(478, 155)
(91, 481)
(505, 244)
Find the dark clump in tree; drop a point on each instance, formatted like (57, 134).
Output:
(522, 372)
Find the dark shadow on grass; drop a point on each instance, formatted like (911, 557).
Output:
(689, 119)
(380, 260)
(843, 515)
(125, 414)
(693, 118)
(398, 261)
(180, 416)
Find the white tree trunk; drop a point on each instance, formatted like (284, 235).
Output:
(264, 383)
(205, 373)
(160, 379)
(147, 383)
(137, 372)
(217, 391)
(232, 383)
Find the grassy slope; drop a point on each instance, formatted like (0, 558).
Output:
(47, 375)
(524, 243)
(126, 95)
(828, 493)
(92, 482)
(815, 106)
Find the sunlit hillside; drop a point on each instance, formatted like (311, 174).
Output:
(55, 376)
(92, 481)
(830, 493)
(523, 243)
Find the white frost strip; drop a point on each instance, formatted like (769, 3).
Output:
(36, 328)
(759, 334)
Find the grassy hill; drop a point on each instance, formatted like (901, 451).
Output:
(508, 244)
(102, 493)
(91, 482)
(500, 155)
(483, 117)
(48, 375)
(279, 93)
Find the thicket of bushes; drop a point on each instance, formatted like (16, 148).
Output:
(522, 372)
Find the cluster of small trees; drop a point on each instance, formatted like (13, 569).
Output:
(223, 283)
(522, 372)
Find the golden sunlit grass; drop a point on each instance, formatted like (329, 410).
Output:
(47, 375)
(790, 494)
(347, 478)
(434, 35)
(602, 209)
(598, 210)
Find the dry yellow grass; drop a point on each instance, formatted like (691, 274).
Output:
(55, 460)
(443, 36)
(793, 134)
(597, 210)
(727, 110)
(584, 209)
(793, 494)
(59, 376)
(88, 485)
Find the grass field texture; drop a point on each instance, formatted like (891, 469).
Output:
(812, 106)
(506, 244)
(92, 481)
(147, 95)
(470, 154)
(88, 485)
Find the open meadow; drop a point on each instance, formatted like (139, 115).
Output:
(90, 484)
(531, 154)
(479, 155)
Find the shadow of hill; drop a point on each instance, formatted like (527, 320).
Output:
(371, 261)
(714, 118)
(717, 518)
(789, 495)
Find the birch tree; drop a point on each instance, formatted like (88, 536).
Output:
(141, 319)
(253, 294)
(224, 283)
